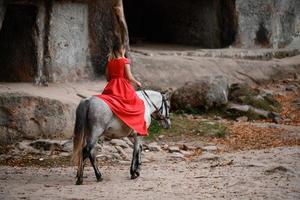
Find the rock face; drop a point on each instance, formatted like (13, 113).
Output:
(55, 41)
(207, 92)
(69, 42)
(267, 23)
(24, 116)
(60, 41)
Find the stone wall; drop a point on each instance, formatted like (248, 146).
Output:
(69, 42)
(267, 23)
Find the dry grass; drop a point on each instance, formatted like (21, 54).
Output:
(246, 136)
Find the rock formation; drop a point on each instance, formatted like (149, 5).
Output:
(59, 41)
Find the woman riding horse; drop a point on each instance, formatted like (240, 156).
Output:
(118, 112)
(120, 95)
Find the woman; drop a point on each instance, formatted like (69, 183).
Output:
(120, 95)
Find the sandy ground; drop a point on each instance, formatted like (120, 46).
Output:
(259, 174)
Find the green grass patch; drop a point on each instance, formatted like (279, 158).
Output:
(154, 130)
(183, 126)
(214, 129)
(266, 103)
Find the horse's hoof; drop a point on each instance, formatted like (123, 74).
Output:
(79, 182)
(99, 179)
(135, 175)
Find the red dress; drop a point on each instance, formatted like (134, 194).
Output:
(120, 96)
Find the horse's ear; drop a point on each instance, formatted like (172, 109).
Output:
(166, 94)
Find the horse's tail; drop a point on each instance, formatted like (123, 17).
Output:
(79, 131)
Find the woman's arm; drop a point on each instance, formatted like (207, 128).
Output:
(130, 77)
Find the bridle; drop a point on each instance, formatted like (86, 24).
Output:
(164, 105)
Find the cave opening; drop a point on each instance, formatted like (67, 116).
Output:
(262, 36)
(17, 44)
(200, 23)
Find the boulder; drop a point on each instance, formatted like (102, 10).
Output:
(239, 90)
(208, 92)
(33, 117)
(243, 94)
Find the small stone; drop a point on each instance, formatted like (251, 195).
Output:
(23, 145)
(242, 119)
(124, 162)
(67, 146)
(218, 118)
(186, 153)
(154, 147)
(121, 143)
(104, 157)
(265, 92)
(128, 151)
(292, 88)
(210, 148)
(208, 157)
(165, 146)
(173, 149)
(161, 137)
(176, 155)
(116, 156)
(122, 153)
(108, 148)
(128, 142)
(65, 154)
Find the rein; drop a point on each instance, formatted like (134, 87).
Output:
(148, 99)
(160, 116)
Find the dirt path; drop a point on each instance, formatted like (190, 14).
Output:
(261, 174)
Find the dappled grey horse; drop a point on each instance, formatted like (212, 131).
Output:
(94, 119)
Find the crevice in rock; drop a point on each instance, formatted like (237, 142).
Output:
(262, 36)
(18, 59)
(207, 24)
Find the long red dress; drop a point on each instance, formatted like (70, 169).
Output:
(120, 96)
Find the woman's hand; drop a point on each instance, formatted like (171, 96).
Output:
(138, 84)
(130, 77)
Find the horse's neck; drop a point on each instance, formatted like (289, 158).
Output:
(155, 98)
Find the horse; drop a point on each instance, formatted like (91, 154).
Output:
(94, 119)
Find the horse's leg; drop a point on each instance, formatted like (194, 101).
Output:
(96, 169)
(97, 131)
(136, 157)
(87, 153)
(81, 167)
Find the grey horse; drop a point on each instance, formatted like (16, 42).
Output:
(94, 119)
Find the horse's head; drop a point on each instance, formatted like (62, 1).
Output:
(163, 113)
